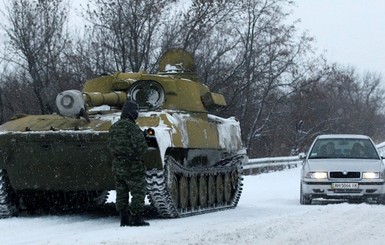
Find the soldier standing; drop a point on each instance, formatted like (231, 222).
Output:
(127, 144)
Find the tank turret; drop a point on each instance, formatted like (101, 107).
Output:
(194, 161)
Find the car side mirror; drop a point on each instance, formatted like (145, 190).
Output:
(302, 155)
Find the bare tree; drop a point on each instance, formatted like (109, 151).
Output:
(246, 51)
(340, 102)
(16, 96)
(201, 21)
(124, 32)
(206, 29)
(271, 63)
(356, 100)
(1, 106)
(37, 38)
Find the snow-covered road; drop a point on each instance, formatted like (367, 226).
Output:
(268, 213)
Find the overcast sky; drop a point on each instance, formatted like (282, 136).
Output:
(351, 31)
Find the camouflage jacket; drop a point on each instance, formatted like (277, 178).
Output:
(126, 139)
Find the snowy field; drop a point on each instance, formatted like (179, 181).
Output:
(268, 213)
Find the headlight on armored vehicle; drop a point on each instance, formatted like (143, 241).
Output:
(371, 175)
(149, 134)
(317, 175)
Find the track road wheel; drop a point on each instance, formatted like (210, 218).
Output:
(227, 188)
(220, 188)
(202, 191)
(174, 190)
(234, 180)
(212, 190)
(183, 192)
(193, 192)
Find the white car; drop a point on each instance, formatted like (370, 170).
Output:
(342, 166)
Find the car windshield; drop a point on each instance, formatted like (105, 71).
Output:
(344, 148)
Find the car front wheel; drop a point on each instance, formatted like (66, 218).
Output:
(381, 200)
(304, 199)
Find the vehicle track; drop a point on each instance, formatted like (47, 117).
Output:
(173, 190)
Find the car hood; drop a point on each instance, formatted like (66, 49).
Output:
(357, 165)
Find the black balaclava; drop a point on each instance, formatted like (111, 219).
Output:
(130, 110)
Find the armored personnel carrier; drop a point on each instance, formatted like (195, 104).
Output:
(194, 161)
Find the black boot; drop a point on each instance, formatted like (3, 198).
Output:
(138, 220)
(125, 218)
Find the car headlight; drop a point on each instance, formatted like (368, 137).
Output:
(317, 175)
(371, 175)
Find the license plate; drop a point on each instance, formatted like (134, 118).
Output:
(345, 185)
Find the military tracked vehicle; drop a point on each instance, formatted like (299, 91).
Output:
(194, 161)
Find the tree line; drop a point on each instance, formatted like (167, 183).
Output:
(281, 91)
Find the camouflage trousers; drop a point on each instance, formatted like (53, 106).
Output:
(130, 177)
